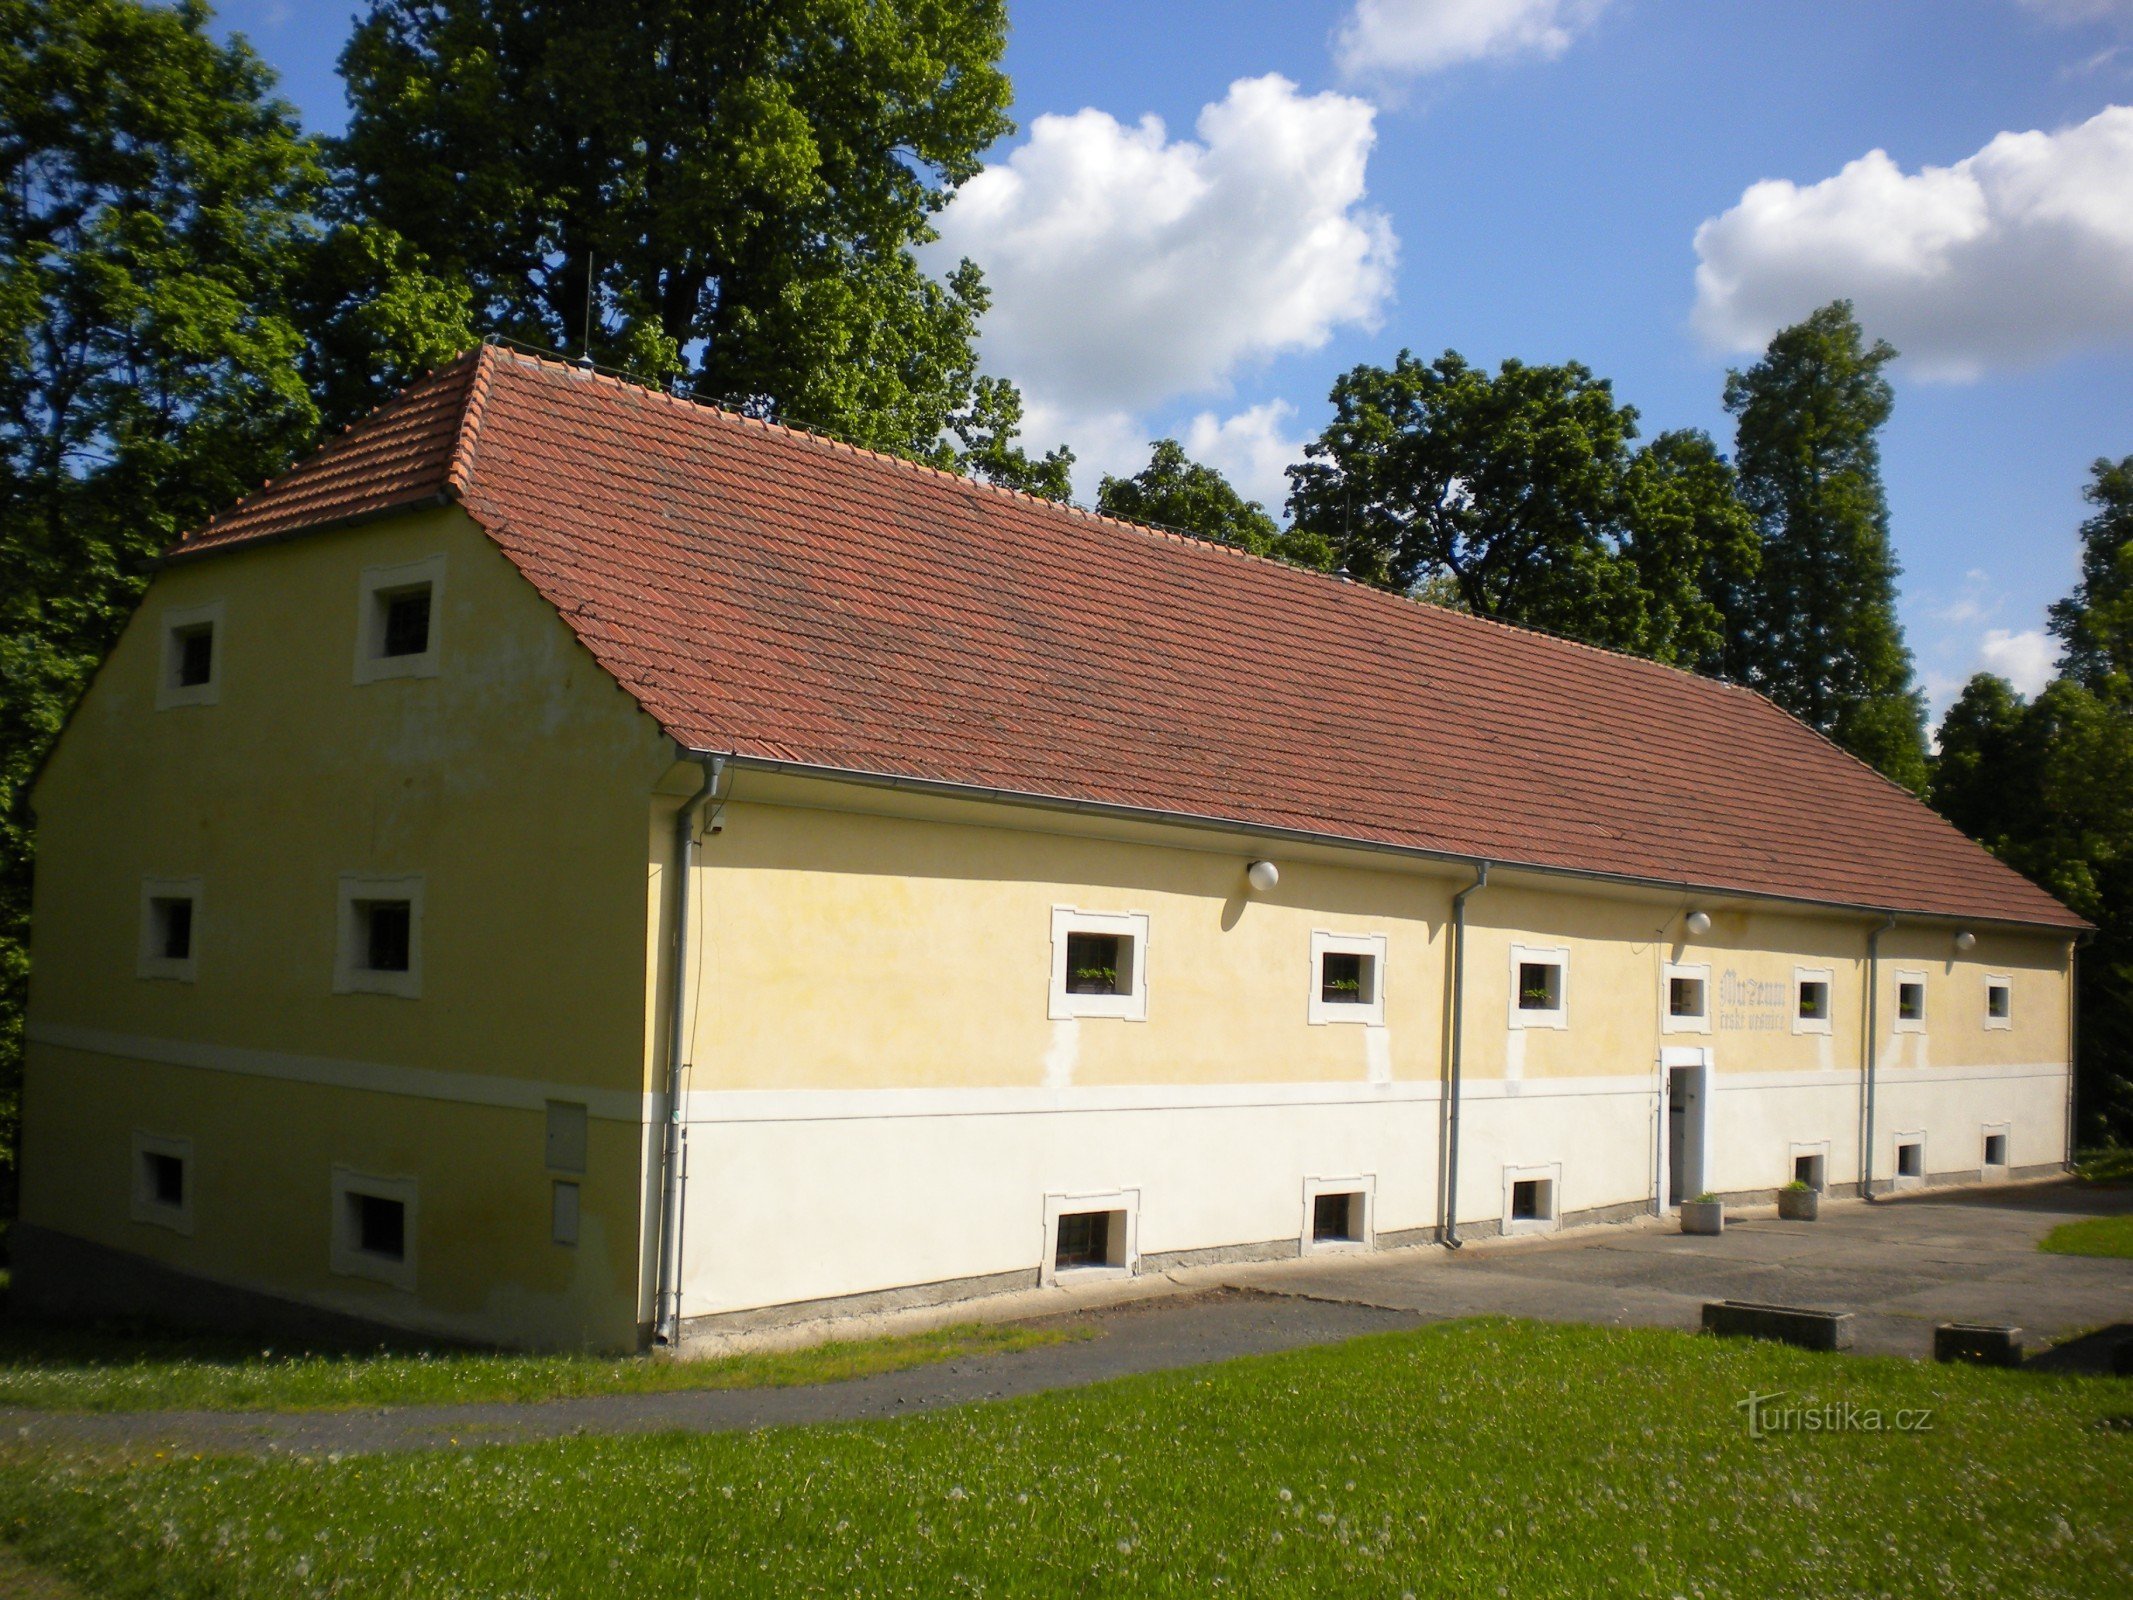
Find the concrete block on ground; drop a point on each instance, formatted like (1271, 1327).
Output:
(1987, 1344)
(1794, 1325)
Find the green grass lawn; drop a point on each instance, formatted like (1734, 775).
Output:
(2092, 1236)
(1480, 1458)
(66, 1368)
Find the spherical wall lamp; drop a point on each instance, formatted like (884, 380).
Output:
(1966, 940)
(1699, 923)
(1262, 875)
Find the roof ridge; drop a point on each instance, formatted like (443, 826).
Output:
(459, 470)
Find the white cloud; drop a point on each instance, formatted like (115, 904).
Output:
(2019, 253)
(2023, 659)
(1128, 268)
(2081, 10)
(1253, 449)
(1387, 38)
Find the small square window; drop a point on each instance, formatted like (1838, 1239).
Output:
(1099, 963)
(1684, 997)
(1347, 978)
(378, 1226)
(1814, 1000)
(1910, 1160)
(166, 1177)
(1809, 1170)
(162, 1181)
(1529, 1198)
(1337, 1218)
(1995, 1149)
(170, 928)
(1526, 1205)
(388, 934)
(189, 673)
(1343, 979)
(1910, 1001)
(1999, 1001)
(1089, 1234)
(173, 916)
(1089, 1239)
(404, 629)
(1540, 986)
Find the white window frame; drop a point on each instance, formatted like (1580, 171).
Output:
(349, 975)
(1550, 1173)
(372, 666)
(146, 1207)
(2003, 1130)
(1701, 973)
(1827, 977)
(149, 960)
(172, 622)
(1560, 1016)
(1370, 1012)
(346, 1258)
(1897, 1178)
(1365, 1185)
(1817, 1149)
(1133, 925)
(1910, 1024)
(1058, 1205)
(1999, 980)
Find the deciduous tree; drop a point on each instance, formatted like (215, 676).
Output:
(1174, 491)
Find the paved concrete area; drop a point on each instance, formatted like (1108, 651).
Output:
(1899, 1266)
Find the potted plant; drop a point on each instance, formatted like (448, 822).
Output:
(1799, 1202)
(1093, 980)
(1704, 1214)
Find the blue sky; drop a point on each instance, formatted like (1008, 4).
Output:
(1327, 183)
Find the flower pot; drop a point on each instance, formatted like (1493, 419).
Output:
(1703, 1216)
(1799, 1205)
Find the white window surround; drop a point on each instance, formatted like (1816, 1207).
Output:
(1668, 1022)
(351, 973)
(1556, 955)
(1550, 1174)
(1999, 980)
(2003, 1131)
(1369, 1010)
(1898, 1179)
(1815, 1148)
(347, 1258)
(1131, 926)
(149, 960)
(172, 623)
(1909, 1024)
(563, 1200)
(1058, 1205)
(370, 662)
(1365, 1186)
(146, 1207)
(1827, 977)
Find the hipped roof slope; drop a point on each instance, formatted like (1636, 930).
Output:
(774, 594)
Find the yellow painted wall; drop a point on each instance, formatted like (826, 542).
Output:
(515, 781)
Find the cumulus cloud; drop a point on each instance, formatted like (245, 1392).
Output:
(2024, 659)
(2019, 253)
(1127, 267)
(1406, 38)
(1253, 449)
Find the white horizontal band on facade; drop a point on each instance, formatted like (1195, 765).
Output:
(333, 1072)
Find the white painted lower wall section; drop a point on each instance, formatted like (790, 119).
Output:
(799, 1196)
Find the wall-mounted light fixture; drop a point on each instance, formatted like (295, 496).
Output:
(1262, 875)
(1699, 923)
(1966, 940)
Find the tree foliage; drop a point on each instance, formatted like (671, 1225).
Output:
(2095, 623)
(180, 312)
(1174, 491)
(1821, 636)
(1519, 496)
(730, 193)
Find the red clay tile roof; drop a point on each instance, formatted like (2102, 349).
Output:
(773, 594)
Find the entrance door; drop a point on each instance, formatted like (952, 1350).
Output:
(1684, 1133)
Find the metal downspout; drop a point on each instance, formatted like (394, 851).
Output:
(666, 1303)
(2073, 1041)
(1451, 1133)
(1872, 1052)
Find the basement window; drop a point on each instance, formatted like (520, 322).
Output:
(1996, 1149)
(1910, 1002)
(1688, 999)
(1811, 1170)
(399, 612)
(170, 924)
(190, 671)
(1347, 978)
(1088, 1235)
(1999, 1003)
(381, 936)
(1337, 1218)
(1538, 980)
(1529, 1198)
(1811, 992)
(1099, 964)
(162, 1181)
(1910, 1159)
(374, 1227)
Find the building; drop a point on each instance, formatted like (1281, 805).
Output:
(1060, 897)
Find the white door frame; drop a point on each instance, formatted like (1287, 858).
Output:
(1695, 1134)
